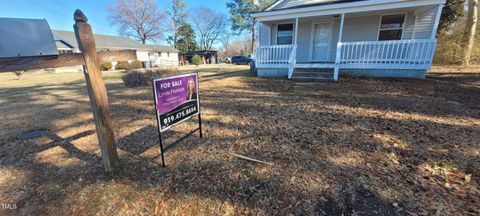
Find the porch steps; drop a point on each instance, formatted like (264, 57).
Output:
(313, 74)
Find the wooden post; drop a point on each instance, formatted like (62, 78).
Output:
(96, 91)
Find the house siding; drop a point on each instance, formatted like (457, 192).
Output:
(273, 35)
(303, 43)
(305, 34)
(165, 59)
(409, 25)
(263, 33)
(425, 24)
(272, 72)
(161, 59)
(364, 28)
(143, 56)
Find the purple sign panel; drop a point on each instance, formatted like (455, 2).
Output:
(176, 99)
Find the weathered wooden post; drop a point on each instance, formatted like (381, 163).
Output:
(96, 91)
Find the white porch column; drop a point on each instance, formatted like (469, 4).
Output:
(339, 49)
(293, 54)
(437, 20)
(257, 33)
(296, 30)
(269, 34)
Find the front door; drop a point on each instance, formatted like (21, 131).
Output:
(321, 38)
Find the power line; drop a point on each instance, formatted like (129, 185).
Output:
(46, 8)
(67, 6)
(61, 14)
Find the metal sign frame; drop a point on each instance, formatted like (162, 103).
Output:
(160, 130)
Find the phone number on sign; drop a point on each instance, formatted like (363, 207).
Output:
(180, 115)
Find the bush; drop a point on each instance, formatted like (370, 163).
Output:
(160, 72)
(18, 74)
(135, 78)
(450, 48)
(142, 77)
(196, 60)
(122, 65)
(106, 66)
(137, 64)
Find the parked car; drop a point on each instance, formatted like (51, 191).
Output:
(241, 60)
(225, 60)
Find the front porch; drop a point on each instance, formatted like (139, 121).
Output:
(375, 41)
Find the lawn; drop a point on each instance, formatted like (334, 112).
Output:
(359, 146)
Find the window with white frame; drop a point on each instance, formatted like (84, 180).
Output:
(391, 27)
(285, 34)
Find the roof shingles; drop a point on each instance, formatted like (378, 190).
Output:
(110, 42)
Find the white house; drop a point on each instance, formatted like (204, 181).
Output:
(320, 39)
(160, 56)
(149, 55)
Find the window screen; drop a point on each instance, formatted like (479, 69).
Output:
(285, 34)
(391, 27)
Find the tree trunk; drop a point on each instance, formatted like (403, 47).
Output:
(470, 29)
(175, 40)
(175, 37)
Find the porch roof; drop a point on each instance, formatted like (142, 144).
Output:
(345, 7)
(273, 6)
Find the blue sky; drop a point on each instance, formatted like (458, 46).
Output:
(59, 13)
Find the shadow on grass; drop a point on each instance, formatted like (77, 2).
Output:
(279, 122)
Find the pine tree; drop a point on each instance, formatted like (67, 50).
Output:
(186, 38)
(241, 15)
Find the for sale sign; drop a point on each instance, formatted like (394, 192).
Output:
(176, 99)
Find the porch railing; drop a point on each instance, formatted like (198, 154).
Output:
(276, 56)
(399, 54)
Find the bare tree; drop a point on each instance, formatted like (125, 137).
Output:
(176, 12)
(470, 29)
(139, 19)
(209, 25)
(226, 39)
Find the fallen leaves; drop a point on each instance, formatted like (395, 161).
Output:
(391, 146)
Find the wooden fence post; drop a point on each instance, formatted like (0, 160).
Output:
(96, 91)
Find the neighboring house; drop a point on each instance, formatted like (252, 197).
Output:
(149, 55)
(320, 39)
(163, 56)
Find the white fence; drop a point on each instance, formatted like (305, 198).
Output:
(277, 56)
(398, 54)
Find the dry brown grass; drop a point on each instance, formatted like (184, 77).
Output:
(358, 146)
